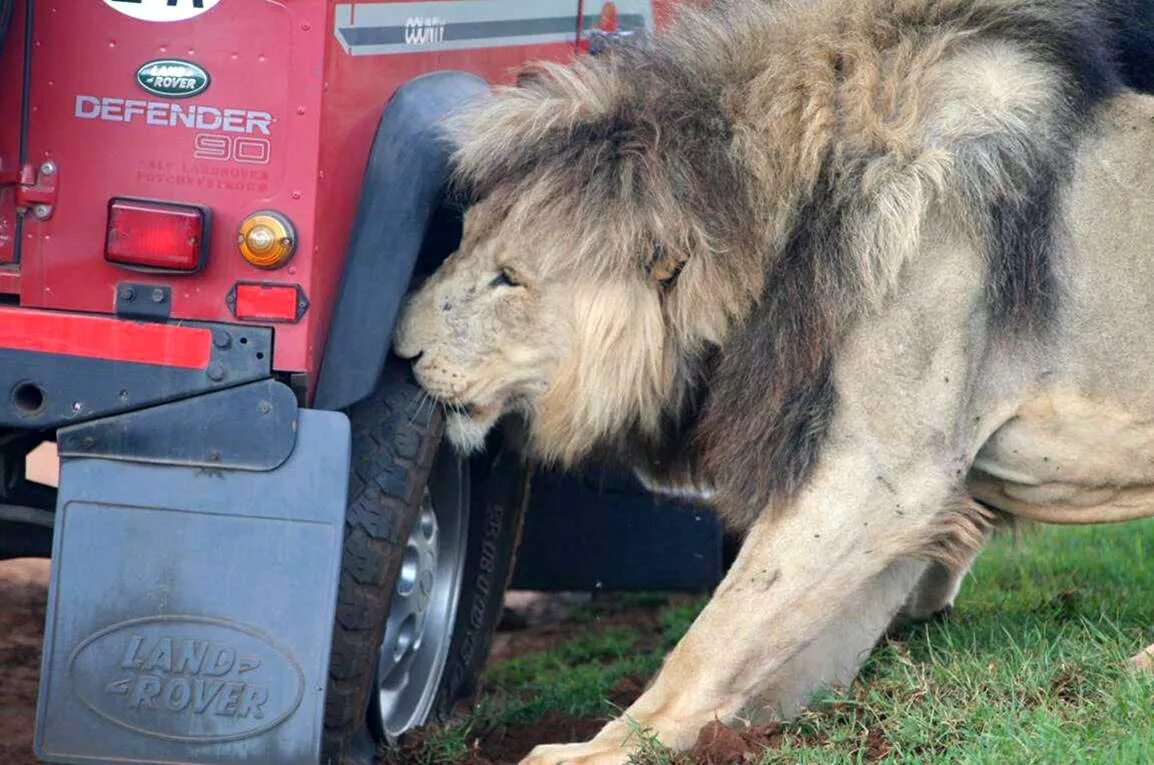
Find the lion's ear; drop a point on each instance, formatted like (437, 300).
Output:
(665, 266)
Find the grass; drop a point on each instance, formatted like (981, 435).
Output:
(1029, 668)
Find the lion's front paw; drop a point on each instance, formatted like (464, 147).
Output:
(590, 753)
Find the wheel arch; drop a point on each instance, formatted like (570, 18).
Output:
(401, 207)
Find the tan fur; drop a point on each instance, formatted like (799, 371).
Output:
(828, 282)
(877, 114)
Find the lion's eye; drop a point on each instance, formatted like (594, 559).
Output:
(503, 279)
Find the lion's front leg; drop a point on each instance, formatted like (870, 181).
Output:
(808, 596)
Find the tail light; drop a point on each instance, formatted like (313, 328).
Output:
(156, 236)
(266, 239)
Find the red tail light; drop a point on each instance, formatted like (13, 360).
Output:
(156, 236)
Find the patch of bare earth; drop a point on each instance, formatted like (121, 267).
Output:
(23, 594)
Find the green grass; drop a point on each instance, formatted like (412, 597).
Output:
(1029, 668)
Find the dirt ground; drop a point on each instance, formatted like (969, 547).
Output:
(23, 592)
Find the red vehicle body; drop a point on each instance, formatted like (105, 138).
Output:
(323, 99)
(245, 473)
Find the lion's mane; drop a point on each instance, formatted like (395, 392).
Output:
(773, 165)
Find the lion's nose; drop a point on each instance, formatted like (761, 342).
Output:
(405, 345)
(412, 354)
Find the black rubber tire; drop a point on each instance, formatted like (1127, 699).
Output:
(394, 444)
(497, 485)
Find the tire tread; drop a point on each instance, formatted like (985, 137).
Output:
(394, 442)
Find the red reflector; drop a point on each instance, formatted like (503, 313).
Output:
(155, 235)
(267, 302)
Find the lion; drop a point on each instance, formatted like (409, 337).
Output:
(872, 275)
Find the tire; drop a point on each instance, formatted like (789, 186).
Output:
(398, 463)
(500, 491)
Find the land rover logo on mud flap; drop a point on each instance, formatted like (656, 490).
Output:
(187, 678)
(172, 78)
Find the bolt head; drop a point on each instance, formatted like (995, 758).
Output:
(127, 294)
(216, 371)
(48, 168)
(41, 212)
(158, 295)
(221, 339)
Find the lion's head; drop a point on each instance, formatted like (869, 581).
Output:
(608, 244)
(512, 322)
(611, 247)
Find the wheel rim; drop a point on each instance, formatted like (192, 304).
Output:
(419, 627)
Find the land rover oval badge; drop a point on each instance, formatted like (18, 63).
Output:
(172, 78)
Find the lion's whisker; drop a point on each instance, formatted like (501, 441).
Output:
(420, 405)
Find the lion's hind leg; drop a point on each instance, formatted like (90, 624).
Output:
(938, 587)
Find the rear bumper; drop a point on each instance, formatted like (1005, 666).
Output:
(59, 369)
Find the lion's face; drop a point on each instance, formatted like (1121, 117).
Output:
(517, 321)
(485, 333)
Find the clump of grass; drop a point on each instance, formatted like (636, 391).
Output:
(446, 745)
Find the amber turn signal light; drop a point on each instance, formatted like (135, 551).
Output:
(266, 239)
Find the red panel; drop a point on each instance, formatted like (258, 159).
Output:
(281, 60)
(262, 301)
(11, 98)
(251, 144)
(97, 337)
(9, 279)
(154, 235)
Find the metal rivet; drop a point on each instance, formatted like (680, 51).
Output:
(158, 295)
(127, 294)
(48, 168)
(264, 407)
(221, 339)
(41, 211)
(214, 456)
(216, 371)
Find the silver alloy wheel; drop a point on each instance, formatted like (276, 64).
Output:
(423, 612)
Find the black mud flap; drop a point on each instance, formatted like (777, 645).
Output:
(191, 607)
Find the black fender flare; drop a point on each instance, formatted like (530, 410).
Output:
(403, 185)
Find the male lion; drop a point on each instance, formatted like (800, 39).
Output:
(875, 273)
